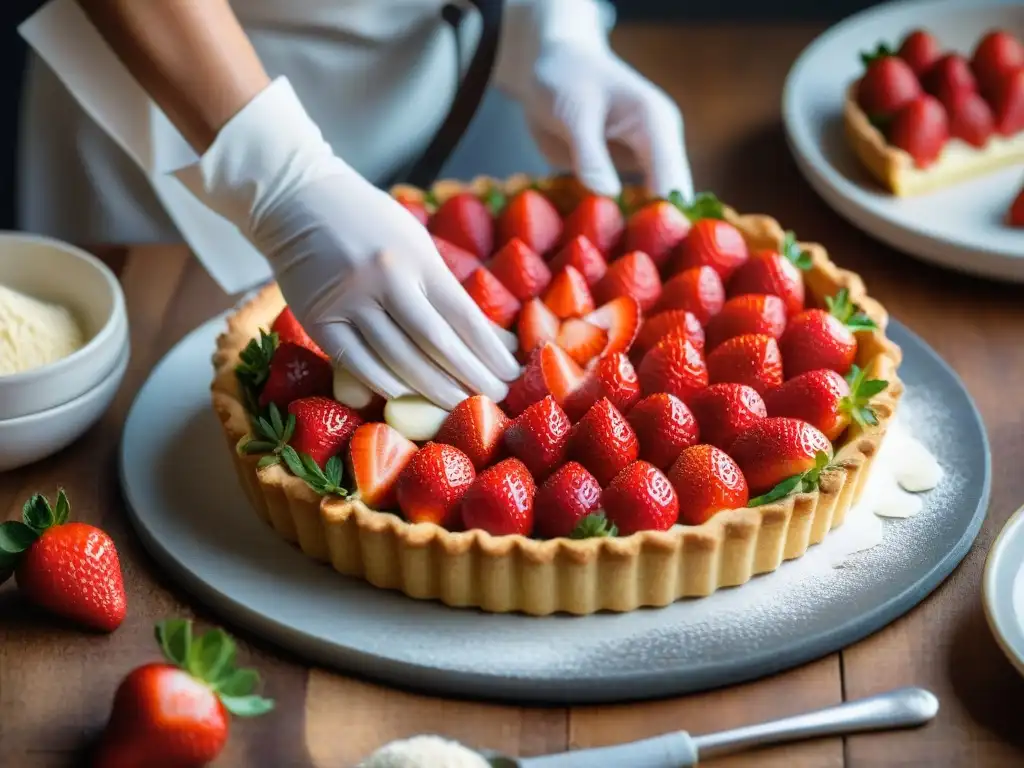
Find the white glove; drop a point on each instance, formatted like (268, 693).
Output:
(584, 104)
(359, 272)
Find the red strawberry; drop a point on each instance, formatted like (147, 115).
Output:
(584, 256)
(621, 319)
(476, 426)
(777, 273)
(825, 400)
(549, 371)
(377, 456)
(417, 208)
(603, 442)
(176, 713)
(497, 303)
(706, 482)
(712, 243)
(536, 325)
(539, 436)
(1008, 103)
(921, 129)
(69, 569)
(753, 359)
(433, 483)
(750, 313)
(819, 339)
(500, 500)
(699, 290)
(520, 269)
(673, 365)
(656, 229)
(532, 218)
(296, 372)
(920, 50)
(997, 54)
(664, 426)
(636, 275)
(568, 294)
(971, 119)
(599, 220)
(564, 500)
(888, 85)
(725, 410)
(776, 449)
(323, 427)
(640, 498)
(459, 261)
(1015, 215)
(288, 329)
(611, 376)
(949, 79)
(464, 220)
(673, 321)
(581, 340)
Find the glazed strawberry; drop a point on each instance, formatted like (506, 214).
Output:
(657, 228)
(564, 500)
(323, 427)
(549, 371)
(621, 319)
(699, 290)
(706, 481)
(417, 208)
(971, 119)
(634, 274)
(921, 129)
(433, 483)
(532, 218)
(920, 50)
(611, 376)
(1008, 103)
(476, 426)
(536, 324)
(520, 269)
(603, 442)
(711, 243)
(176, 714)
(888, 85)
(539, 437)
(664, 426)
(826, 400)
(464, 220)
(584, 256)
(776, 273)
(69, 569)
(493, 298)
(459, 261)
(673, 365)
(640, 498)
(288, 329)
(724, 410)
(377, 454)
(500, 500)
(673, 321)
(997, 55)
(568, 294)
(824, 339)
(598, 219)
(582, 340)
(775, 449)
(296, 372)
(750, 313)
(753, 359)
(1015, 215)
(949, 79)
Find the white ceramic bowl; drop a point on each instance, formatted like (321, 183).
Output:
(30, 438)
(53, 271)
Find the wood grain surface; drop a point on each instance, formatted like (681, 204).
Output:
(56, 683)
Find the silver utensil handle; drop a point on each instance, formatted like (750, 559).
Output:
(900, 708)
(669, 750)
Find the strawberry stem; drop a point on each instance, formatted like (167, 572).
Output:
(862, 389)
(841, 308)
(326, 481)
(272, 435)
(805, 482)
(494, 200)
(704, 206)
(791, 250)
(18, 536)
(594, 526)
(881, 51)
(254, 368)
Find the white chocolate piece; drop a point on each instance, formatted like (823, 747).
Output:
(348, 390)
(415, 417)
(508, 339)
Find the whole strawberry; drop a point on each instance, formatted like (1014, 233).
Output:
(640, 498)
(698, 290)
(476, 426)
(532, 218)
(673, 365)
(603, 441)
(465, 220)
(520, 269)
(724, 410)
(176, 714)
(565, 500)
(323, 427)
(1015, 214)
(598, 219)
(664, 426)
(539, 436)
(818, 338)
(920, 50)
(888, 85)
(611, 376)
(433, 483)
(459, 261)
(69, 569)
(583, 256)
(634, 274)
(288, 329)
(826, 400)
(997, 55)
(777, 273)
(712, 243)
(500, 500)
(671, 321)
(921, 129)
(752, 359)
(706, 482)
(750, 313)
(778, 449)
(493, 298)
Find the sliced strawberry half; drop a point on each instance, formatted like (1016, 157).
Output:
(476, 427)
(549, 371)
(536, 325)
(568, 294)
(493, 298)
(621, 318)
(288, 329)
(582, 340)
(611, 376)
(634, 274)
(460, 262)
(520, 269)
(295, 372)
(377, 454)
(584, 256)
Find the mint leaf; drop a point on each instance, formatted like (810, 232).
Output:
(594, 526)
(246, 706)
(37, 512)
(780, 491)
(175, 639)
(704, 206)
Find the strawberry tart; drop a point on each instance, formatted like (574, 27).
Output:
(702, 397)
(921, 118)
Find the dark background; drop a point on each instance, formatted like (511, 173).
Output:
(12, 50)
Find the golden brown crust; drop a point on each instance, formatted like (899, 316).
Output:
(516, 573)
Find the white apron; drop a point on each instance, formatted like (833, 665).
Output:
(377, 76)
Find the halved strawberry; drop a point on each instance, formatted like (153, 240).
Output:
(288, 329)
(753, 359)
(377, 454)
(536, 325)
(611, 376)
(549, 371)
(464, 220)
(431, 487)
(603, 442)
(949, 79)
(476, 427)
(564, 500)
(532, 218)
(640, 498)
(634, 274)
(712, 243)
(656, 228)
(493, 298)
(778, 273)
(750, 313)
(888, 84)
(673, 365)
(500, 500)
(826, 400)
(707, 481)
(584, 256)
(323, 427)
(539, 437)
(997, 54)
(1008, 103)
(599, 220)
(920, 50)
(724, 410)
(568, 294)
(699, 290)
(656, 327)
(459, 261)
(664, 426)
(621, 319)
(971, 119)
(777, 449)
(824, 339)
(520, 269)
(581, 340)
(1015, 214)
(921, 129)
(295, 372)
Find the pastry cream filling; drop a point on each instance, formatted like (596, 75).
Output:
(958, 156)
(34, 333)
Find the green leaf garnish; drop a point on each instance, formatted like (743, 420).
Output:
(17, 536)
(272, 435)
(494, 200)
(594, 526)
(253, 368)
(841, 308)
(704, 206)
(792, 252)
(882, 50)
(862, 389)
(326, 481)
(805, 482)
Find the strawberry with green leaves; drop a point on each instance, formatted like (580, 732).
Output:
(775, 450)
(826, 400)
(323, 427)
(888, 84)
(707, 481)
(659, 226)
(599, 220)
(465, 221)
(500, 500)
(640, 498)
(530, 217)
(776, 273)
(431, 487)
(819, 338)
(566, 502)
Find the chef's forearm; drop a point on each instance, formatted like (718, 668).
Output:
(191, 56)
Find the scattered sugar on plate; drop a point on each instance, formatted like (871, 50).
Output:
(424, 752)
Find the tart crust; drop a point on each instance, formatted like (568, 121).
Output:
(895, 169)
(540, 577)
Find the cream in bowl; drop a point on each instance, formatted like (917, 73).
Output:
(34, 333)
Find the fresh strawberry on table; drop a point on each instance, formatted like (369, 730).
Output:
(584, 256)
(921, 129)
(775, 272)
(432, 485)
(724, 410)
(621, 319)
(996, 55)
(750, 313)
(920, 50)
(466, 221)
(672, 321)
(1008, 103)
(176, 714)
(536, 324)
(888, 84)
(493, 298)
(476, 426)
(532, 218)
(500, 500)
(459, 261)
(288, 329)
(777, 449)
(539, 437)
(640, 498)
(817, 338)
(673, 365)
(323, 427)
(699, 290)
(69, 569)
(633, 274)
(520, 269)
(664, 426)
(565, 500)
(548, 371)
(1015, 214)
(971, 119)
(377, 454)
(603, 441)
(711, 243)
(949, 78)
(611, 376)
(706, 481)
(826, 400)
(582, 340)
(294, 373)
(598, 219)
(568, 294)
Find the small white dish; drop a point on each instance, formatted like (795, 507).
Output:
(53, 271)
(960, 227)
(30, 438)
(1003, 589)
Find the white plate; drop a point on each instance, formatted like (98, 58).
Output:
(959, 227)
(1003, 589)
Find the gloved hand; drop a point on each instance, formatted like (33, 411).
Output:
(359, 272)
(585, 106)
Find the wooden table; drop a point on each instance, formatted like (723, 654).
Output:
(56, 684)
